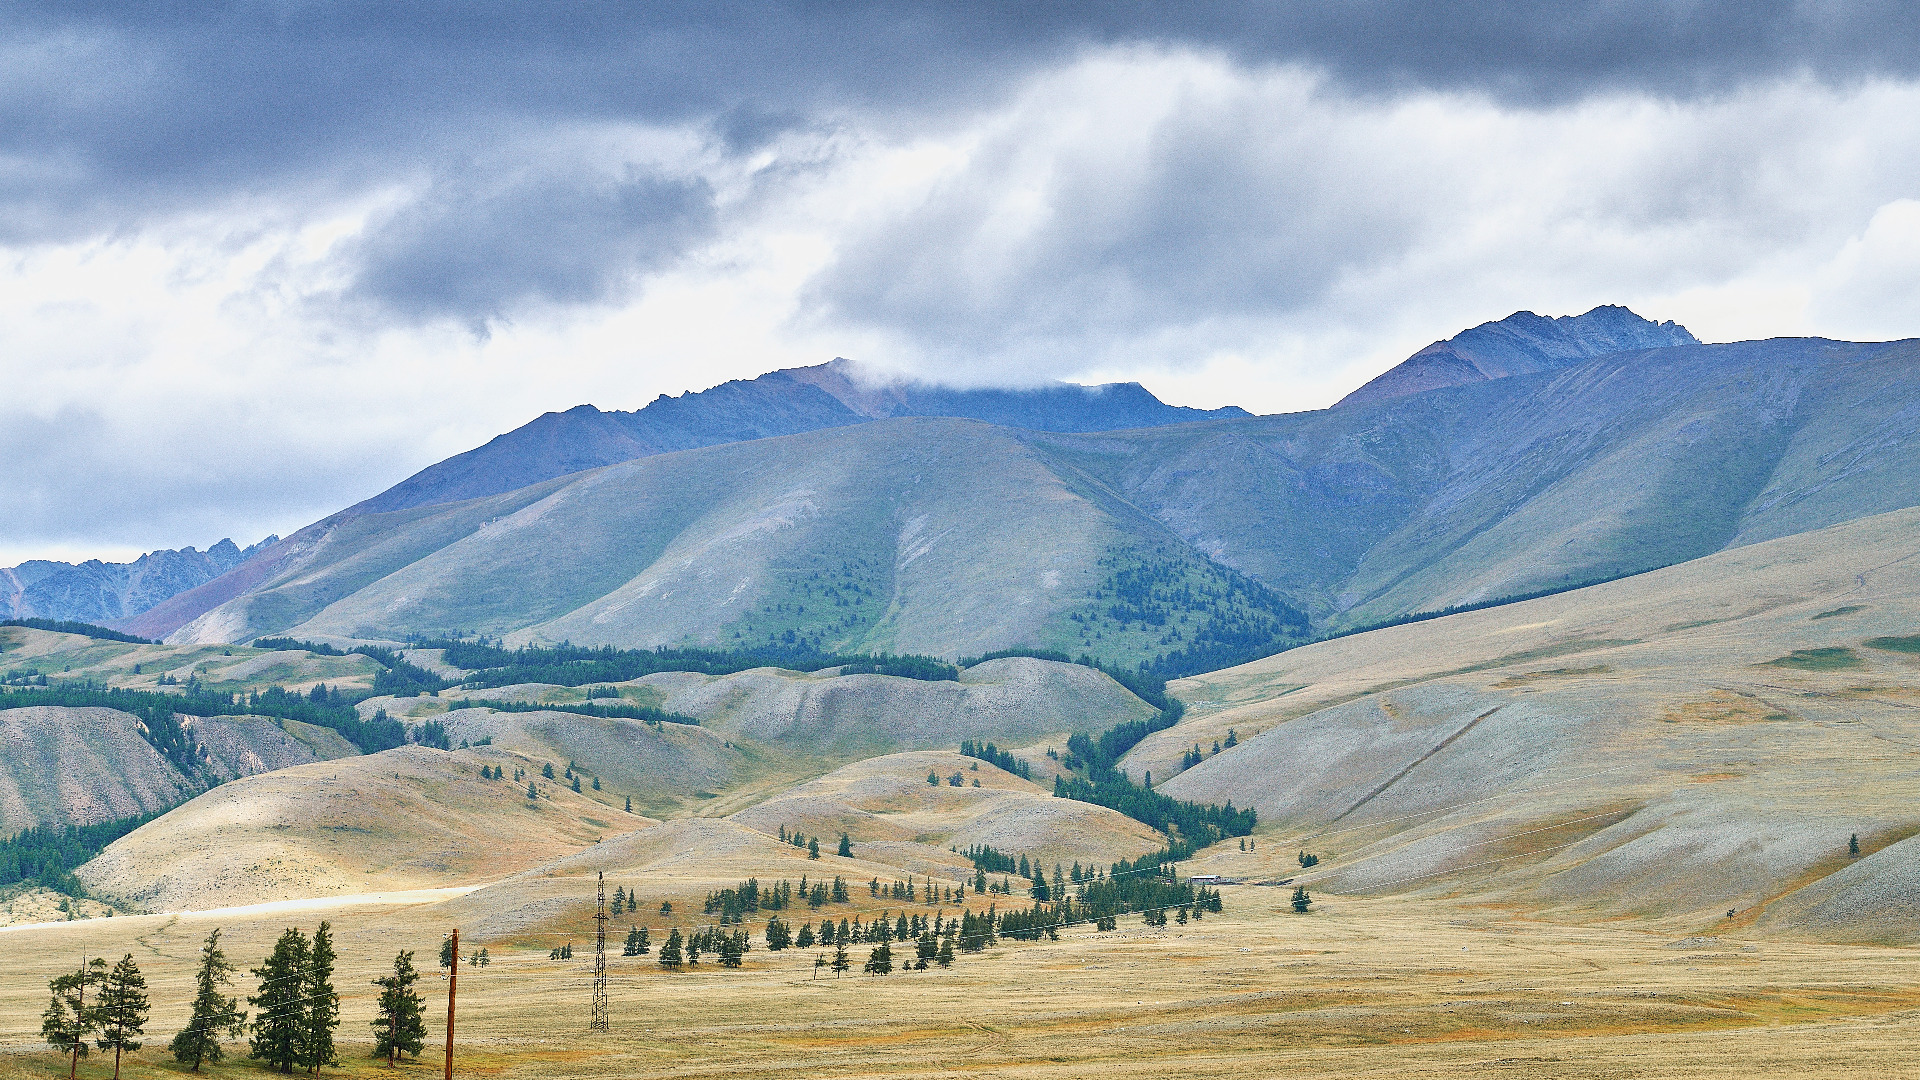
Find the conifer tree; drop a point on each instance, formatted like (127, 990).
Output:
(546, 770)
(813, 848)
(122, 1010)
(532, 792)
(880, 961)
(840, 962)
(629, 804)
(779, 935)
(398, 1027)
(277, 1025)
(1853, 844)
(70, 1017)
(671, 955)
(321, 1004)
(945, 956)
(1301, 901)
(596, 783)
(804, 939)
(846, 846)
(214, 1013)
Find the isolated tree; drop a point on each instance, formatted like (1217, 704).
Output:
(1301, 901)
(446, 952)
(629, 804)
(70, 1018)
(813, 848)
(214, 1013)
(596, 783)
(546, 770)
(666, 907)
(1853, 845)
(122, 1010)
(670, 950)
(532, 791)
(278, 1024)
(576, 784)
(397, 1024)
(846, 847)
(933, 779)
(321, 1005)
(840, 961)
(1233, 738)
(880, 961)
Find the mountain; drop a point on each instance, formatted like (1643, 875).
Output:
(785, 402)
(907, 535)
(99, 592)
(1185, 547)
(1520, 344)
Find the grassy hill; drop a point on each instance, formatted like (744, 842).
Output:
(1671, 747)
(406, 818)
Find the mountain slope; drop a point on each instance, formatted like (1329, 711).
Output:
(1520, 344)
(1667, 747)
(786, 402)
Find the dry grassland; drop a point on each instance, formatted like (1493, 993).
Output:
(1376, 988)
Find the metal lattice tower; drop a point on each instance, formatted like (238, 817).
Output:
(598, 1022)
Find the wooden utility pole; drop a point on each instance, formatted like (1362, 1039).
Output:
(453, 983)
(78, 1014)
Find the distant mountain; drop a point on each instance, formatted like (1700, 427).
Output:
(785, 402)
(97, 592)
(1173, 546)
(1520, 344)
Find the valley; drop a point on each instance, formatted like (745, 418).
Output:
(1059, 681)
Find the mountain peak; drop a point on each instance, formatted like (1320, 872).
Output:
(1520, 344)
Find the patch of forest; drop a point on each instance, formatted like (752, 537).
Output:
(69, 626)
(47, 855)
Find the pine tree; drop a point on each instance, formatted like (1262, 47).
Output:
(840, 962)
(1301, 901)
(629, 804)
(1853, 845)
(846, 847)
(532, 792)
(546, 770)
(945, 956)
(933, 779)
(70, 1018)
(322, 1004)
(277, 1025)
(779, 935)
(670, 950)
(213, 1011)
(880, 961)
(813, 848)
(596, 783)
(398, 1027)
(804, 939)
(122, 1010)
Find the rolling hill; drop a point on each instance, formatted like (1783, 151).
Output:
(1673, 747)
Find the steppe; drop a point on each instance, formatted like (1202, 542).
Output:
(1376, 988)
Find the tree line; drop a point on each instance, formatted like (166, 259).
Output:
(993, 755)
(70, 626)
(296, 1008)
(574, 665)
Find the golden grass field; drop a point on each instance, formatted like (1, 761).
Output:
(1375, 988)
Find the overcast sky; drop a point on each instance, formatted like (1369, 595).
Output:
(261, 264)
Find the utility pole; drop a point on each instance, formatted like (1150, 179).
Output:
(598, 1021)
(79, 1012)
(453, 983)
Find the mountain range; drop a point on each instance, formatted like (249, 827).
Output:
(1183, 546)
(99, 592)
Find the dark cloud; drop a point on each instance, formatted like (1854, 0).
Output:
(479, 245)
(145, 105)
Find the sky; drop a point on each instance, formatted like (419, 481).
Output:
(259, 262)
